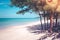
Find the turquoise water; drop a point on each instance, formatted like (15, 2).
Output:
(4, 22)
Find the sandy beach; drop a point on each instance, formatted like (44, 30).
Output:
(19, 33)
(29, 19)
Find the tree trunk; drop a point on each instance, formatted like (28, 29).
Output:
(44, 21)
(40, 21)
(47, 23)
(56, 19)
(51, 22)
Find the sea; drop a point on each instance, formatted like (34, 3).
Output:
(7, 22)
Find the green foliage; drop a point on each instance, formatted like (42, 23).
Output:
(23, 11)
(19, 3)
(35, 5)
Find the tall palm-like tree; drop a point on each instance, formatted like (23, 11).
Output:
(50, 15)
(36, 6)
(53, 8)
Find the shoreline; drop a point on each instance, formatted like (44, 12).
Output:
(20, 32)
(27, 24)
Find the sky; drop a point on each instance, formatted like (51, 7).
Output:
(6, 11)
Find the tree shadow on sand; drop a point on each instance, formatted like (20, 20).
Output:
(37, 29)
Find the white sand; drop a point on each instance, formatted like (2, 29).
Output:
(19, 33)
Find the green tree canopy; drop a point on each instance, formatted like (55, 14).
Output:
(34, 5)
(38, 6)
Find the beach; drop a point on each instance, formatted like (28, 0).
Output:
(19, 33)
(29, 20)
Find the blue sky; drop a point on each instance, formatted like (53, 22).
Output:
(10, 12)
